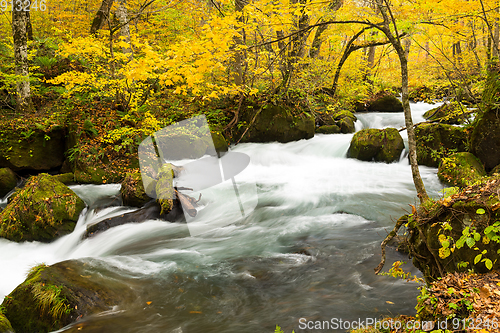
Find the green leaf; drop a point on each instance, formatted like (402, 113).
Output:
(477, 237)
(480, 211)
(477, 258)
(488, 264)
(488, 229)
(470, 242)
(446, 244)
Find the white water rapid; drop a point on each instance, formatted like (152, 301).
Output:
(308, 250)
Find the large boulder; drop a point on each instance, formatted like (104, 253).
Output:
(452, 113)
(54, 296)
(485, 139)
(435, 141)
(384, 102)
(8, 181)
(277, 123)
(461, 169)
(41, 211)
(381, 145)
(32, 149)
(457, 233)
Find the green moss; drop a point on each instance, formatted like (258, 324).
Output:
(448, 113)
(8, 181)
(435, 141)
(461, 169)
(328, 129)
(375, 144)
(5, 326)
(52, 297)
(164, 188)
(132, 190)
(65, 178)
(43, 210)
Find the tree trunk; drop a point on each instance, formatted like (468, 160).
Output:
(317, 40)
(101, 17)
(412, 146)
(29, 28)
(122, 16)
(239, 58)
(23, 97)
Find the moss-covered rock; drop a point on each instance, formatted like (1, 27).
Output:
(448, 235)
(328, 129)
(132, 190)
(449, 113)
(384, 102)
(41, 211)
(435, 141)
(485, 139)
(65, 178)
(5, 326)
(8, 181)
(219, 142)
(54, 296)
(343, 119)
(277, 123)
(382, 145)
(461, 169)
(32, 149)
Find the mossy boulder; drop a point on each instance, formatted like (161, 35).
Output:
(54, 296)
(343, 119)
(485, 139)
(132, 190)
(328, 129)
(461, 169)
(8, 181)
(5, 326)
(276, 123)
(446, 236)
(381, 145)
(435, 141)
(41, 211)
(32, 149)
(384, 102)
(449, 113)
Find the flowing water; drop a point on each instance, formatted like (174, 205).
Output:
(308, 250)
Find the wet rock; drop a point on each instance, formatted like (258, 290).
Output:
(328, 129)
(343, 119)
(384, 102)
(449, 113)
(461, 169)
(380, 145)
(32, 149)
(277, 123)
(41, 211)
(54, 296)
(151, 211)
(435, 141)
(485, 139)
(219, 142)
(132, 190)
(8, 181)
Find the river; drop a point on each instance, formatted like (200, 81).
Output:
(308, 250)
